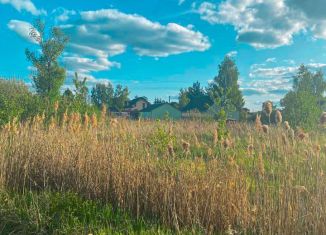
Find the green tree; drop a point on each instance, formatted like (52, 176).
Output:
(303, 105)
(196, 98)
(81, 89)
(224, 90)
(120, 97)
(16, 101)
(183, 98)
(102, 94)
(50, 75)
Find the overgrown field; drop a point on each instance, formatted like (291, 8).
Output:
(187, 177)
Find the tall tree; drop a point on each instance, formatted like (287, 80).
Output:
(224, 90)
(81, 89)
(196, 98)
(303, 105)
(120, 97)
(50, 75)
(102, 94)
(183, 98)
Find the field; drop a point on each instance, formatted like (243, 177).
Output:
(83, 175)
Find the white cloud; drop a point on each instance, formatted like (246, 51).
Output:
(232, 54)
(271, 60)
(62, 14)
(267, 82)
(109, 27)
(181, 2)
(268, 23)
(25, 5)
(22, 28)
(97, 36)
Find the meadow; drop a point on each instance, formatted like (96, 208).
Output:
(95, 175)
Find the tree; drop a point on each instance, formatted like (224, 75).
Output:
(183, 98)
(81, 89)
(303, 105)
(159, 101)
(16, 101)
(196, 98)
(224, 90)
(50, 75)
(102, 94)
(120, 97)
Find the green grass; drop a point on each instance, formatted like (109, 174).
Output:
(57, 213)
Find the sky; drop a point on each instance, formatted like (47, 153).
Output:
(157, 47)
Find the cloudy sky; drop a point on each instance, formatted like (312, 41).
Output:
(156, 47)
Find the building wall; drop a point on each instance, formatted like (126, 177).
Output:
(163, 112)
(140, 105)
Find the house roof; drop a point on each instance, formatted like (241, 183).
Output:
(134, 101)
(155, 106)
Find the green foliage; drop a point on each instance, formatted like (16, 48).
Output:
(16, 101)
(66, 213)
(194, 98)
(102, 94)
(301, 109)
(222, 128)
(81, 89)
(225, 89)
(50, 75)
(120, 97)
(161, 138)
(183, 98)
(303, 105)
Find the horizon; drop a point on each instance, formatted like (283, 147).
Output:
(157, 48)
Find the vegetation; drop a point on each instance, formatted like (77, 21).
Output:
(187, 176)
(224, 90)
(50, 75)
(303, 105)
(67, 168)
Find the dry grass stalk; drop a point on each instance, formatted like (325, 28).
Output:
(258, 123)
(278, 117)
(122, 167)
(265, 129)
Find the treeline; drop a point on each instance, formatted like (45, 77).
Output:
(302, 106)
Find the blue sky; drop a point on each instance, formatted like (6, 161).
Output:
(158, 47)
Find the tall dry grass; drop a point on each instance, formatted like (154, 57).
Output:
(184, 174)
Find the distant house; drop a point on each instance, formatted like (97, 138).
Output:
(161, 111)
(137, 104)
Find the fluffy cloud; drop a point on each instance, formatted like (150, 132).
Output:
(232, 54)
(22, 28)
(268, 23)
(25, 5)
(96, 36)
(112, 31)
